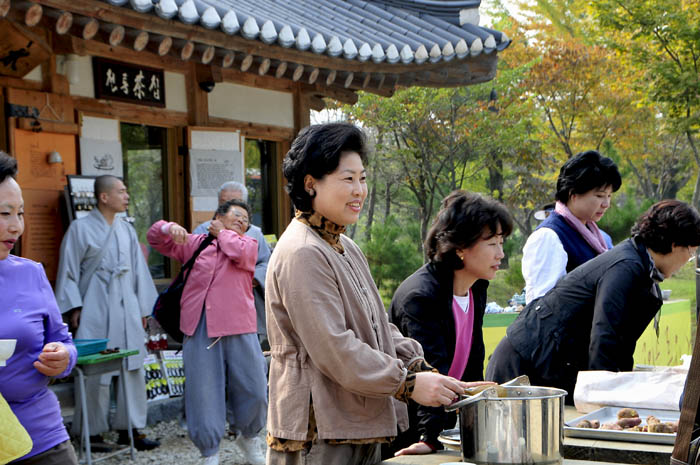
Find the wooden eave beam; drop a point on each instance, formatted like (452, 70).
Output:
(71, 44)
(253, 79)
(334, 92)
(19, 83)
(131, 112)
(254, 130)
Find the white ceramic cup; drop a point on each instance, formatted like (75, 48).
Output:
(7, 348)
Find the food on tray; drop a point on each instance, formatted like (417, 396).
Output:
(627, 413)
(661, 428)
(594, 424)
(629, 422)
(611, 429)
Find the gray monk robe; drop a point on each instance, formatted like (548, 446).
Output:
(114, 289)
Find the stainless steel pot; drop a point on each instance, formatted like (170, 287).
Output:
(523, 426)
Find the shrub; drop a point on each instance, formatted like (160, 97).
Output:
(393, 253)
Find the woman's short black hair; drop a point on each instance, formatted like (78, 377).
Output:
(668, 223)
(464, 218)
(226, 206)
(8, 166)
(317, 151)
(584, 172)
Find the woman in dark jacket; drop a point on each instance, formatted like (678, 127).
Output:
(442, 304)
(592, 318)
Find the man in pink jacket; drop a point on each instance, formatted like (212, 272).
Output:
(221, 350)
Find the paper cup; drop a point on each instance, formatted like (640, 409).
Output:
(7, 348)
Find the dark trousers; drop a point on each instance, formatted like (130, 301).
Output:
(61, 454)
(506, 363)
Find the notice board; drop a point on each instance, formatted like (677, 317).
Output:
(215, 157)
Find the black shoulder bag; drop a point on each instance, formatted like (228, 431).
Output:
(166, 310)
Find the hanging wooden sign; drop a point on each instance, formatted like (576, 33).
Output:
(128, 83)
(20, 50)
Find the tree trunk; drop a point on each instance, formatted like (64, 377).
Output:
(696, 191)
(370, 209)
(387, 200)
(495, 181)
(423, 232)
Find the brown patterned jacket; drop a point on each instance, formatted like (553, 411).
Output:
(331, 342)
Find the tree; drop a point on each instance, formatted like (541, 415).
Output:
(422, 140)
(575, 85)
(662, 39)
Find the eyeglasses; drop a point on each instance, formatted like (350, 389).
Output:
(242, 216)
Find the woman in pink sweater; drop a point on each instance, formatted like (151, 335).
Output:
(221, 350)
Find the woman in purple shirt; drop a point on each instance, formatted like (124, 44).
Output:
(44, 349)
(442, 304)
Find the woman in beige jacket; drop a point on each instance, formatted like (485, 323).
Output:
(341, 374)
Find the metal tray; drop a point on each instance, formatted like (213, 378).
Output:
(450, 439)
(609, 414)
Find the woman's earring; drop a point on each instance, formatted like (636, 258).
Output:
(311, 192)
(461, 257)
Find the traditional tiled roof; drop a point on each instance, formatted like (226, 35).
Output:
(383, 31)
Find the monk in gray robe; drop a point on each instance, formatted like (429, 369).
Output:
(103, 280)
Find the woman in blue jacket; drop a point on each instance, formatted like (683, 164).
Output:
(569, 236)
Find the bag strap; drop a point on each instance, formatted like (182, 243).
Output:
(187, 267)
(689, 410)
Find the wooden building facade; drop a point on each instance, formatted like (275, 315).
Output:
(177, 96)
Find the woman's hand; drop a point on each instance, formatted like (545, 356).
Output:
(53, 360)
(178, 234)
(418, 448)
(215, 227)
(434, 389)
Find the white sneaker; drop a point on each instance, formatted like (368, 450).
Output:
(211, 460)
(251, 449)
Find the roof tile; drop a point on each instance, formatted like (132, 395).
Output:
(393, 31)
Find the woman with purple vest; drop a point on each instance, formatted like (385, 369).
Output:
(569, 236)
(44, 347)
(442, 304)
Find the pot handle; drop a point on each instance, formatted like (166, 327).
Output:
(521, 380)
(491, 391)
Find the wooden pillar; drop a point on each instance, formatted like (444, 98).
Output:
(3, 125)
(53, 82)
(197, 99)
(284, 203)
(302, 116)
